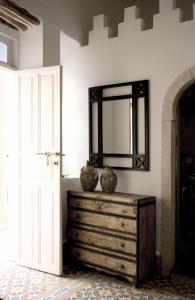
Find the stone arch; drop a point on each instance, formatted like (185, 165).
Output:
(168, 167)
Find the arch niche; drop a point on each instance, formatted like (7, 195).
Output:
(169, 166)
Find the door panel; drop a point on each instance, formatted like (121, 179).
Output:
(37, 178)
(26, 110)
(46, 121)
(46, 231)
(26, 225)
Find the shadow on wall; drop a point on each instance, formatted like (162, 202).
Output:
(67, 184)
(75, 17)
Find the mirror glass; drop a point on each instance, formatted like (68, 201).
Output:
(141, 125)
(117, 126)
(95, 127)
(117, 91)
(122, 162)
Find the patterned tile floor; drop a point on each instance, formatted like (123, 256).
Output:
(19, 283)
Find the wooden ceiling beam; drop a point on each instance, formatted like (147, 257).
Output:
(17, 14)
(11, 15)
(13, 22)
(8, 24)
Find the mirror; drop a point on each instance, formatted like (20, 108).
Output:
(119, 126)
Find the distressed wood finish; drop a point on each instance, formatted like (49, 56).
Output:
(2, 21)
(103, 206)
(128, 199)
(14, 21)
(104, 260)
(114, 233)
(17, 10)
(104, 231)
(102, 220)
(147, 243)
(113, 243)
(15, 16)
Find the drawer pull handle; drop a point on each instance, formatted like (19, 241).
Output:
(99, 204)
(122, 224)
(122, 245)
(122, 267)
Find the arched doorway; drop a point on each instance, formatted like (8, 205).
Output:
(169, 168)
(185, 200)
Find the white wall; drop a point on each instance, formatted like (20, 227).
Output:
(159, 54)
(41, 47)
(74, 17)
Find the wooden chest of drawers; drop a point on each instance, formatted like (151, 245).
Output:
(114, 233)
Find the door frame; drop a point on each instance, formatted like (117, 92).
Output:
(169, 131)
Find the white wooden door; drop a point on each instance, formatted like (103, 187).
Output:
(36, 177)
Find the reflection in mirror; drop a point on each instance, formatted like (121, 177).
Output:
(95, 127)
(124, 162)
(117, 126)
(141, 125)
(117, 91)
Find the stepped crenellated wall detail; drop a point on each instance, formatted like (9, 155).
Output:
(168, 18)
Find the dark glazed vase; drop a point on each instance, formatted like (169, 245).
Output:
(108, 180)
(89, 177)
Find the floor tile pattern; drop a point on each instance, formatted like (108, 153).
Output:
(20, 283)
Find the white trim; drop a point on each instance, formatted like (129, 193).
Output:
(6, 67)
(11, 39)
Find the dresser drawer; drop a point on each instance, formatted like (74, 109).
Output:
(105, 206)
(103, 221)
(104, 261)
(113, 232)
(101, 240)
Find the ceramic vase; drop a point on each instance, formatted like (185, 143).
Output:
(89, 177)
(108, 180)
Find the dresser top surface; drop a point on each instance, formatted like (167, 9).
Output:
(116, 196)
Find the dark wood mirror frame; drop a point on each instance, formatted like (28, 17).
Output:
(139, 89)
